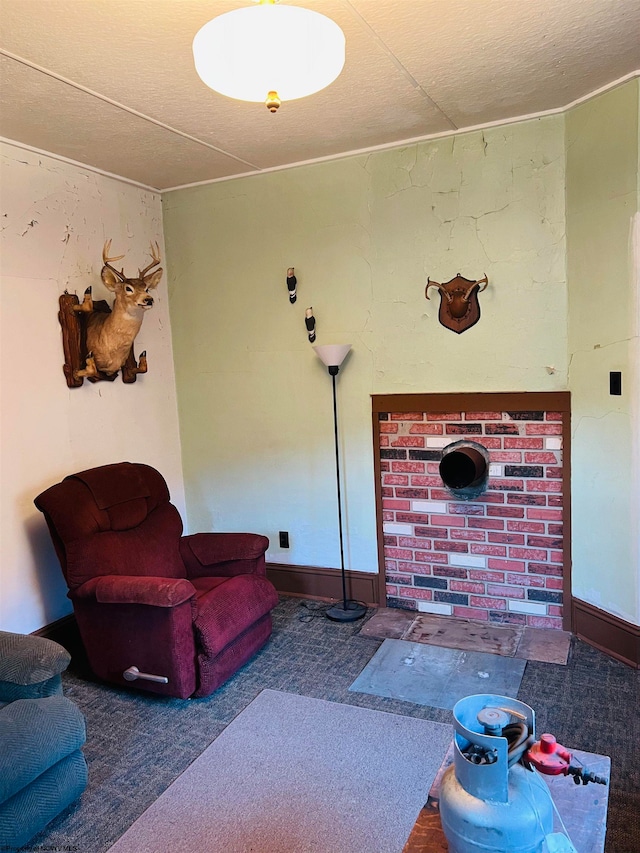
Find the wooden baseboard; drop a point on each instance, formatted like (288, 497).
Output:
(65, 632)
(61, 629)
(614, 636)
(323, 584)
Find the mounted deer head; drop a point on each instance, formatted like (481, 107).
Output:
(459, 306)
(110, 335)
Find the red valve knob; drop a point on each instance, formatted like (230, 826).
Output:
(548, 744)
(549, 757)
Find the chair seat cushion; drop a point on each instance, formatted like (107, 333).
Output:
(206, 584)
(228, 607)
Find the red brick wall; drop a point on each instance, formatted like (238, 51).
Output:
(497, 557)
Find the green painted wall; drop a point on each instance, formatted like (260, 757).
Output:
(363, 234)
(602, 272)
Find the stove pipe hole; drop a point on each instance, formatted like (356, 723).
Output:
(464, 469)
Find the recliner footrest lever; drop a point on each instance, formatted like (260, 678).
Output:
(133, 673)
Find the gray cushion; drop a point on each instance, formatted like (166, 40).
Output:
(34, 735)
(28, 660)
(28, 811)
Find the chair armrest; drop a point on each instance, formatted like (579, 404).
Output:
(30, 666)
(223, 553)
(130, 589)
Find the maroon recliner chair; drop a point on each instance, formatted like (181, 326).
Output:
(188, 611)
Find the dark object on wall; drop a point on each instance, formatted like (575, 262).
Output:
(310, 323)
(42, 732)
(615, 383)
(292, 281)
(188, 611)
(459, 306)
(101, 338)
(464, 469)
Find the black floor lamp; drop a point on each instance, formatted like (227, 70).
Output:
(347, 610)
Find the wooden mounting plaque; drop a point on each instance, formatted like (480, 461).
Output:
(74, 343)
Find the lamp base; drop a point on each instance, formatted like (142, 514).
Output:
(346, 611)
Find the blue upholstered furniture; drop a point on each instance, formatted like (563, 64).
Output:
(42, 768)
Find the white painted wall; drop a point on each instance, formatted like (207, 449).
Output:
(55, 218)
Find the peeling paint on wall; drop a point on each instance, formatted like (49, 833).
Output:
(367, 230)
(56, 219)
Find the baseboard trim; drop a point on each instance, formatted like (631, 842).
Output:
(58, 629)
(322, 584)
(606, 632)
(65, 632)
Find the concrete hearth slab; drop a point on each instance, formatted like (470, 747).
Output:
(429, 675)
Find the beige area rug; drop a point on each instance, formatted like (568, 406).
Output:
(540, 644)
(293, 774)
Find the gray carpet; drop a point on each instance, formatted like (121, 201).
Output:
(435, 676)
(138, 744)
(293, 774)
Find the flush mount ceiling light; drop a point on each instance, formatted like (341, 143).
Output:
(269, 53)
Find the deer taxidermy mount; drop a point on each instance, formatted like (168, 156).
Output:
(98, 339)
(459, 305)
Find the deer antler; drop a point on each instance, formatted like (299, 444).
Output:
(107, 260)
(155, 254)
(440, 288)
(475, 284)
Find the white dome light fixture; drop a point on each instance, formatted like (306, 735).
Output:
(269, 53)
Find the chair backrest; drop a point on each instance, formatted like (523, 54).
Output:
(113, 520)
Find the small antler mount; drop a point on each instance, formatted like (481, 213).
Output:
(459, 305)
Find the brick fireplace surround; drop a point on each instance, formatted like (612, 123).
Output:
(504, 555)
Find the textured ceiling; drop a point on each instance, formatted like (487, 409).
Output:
(111, 83)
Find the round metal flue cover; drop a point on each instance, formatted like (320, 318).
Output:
(464, 469)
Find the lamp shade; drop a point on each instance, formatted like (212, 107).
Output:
(332, 355)
(250, 52)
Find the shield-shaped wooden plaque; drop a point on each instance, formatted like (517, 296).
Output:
(459, 305)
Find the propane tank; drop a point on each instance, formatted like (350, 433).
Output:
(488, 800)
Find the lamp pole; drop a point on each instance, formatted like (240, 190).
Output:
(333, 371)
(347, 610)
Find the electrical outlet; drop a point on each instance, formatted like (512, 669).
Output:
(284, 539)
